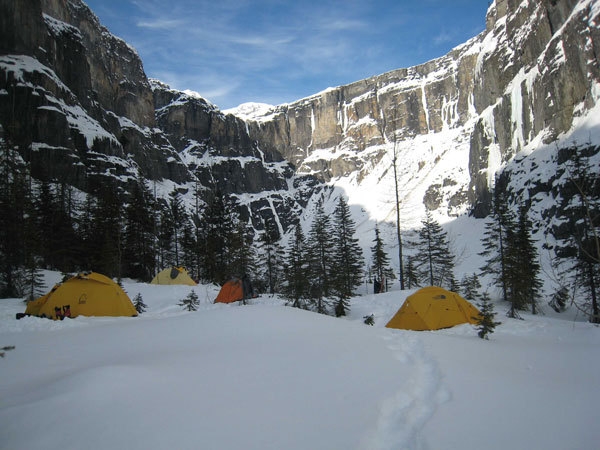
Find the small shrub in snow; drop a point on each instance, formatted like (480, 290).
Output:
(191, 302)
(369, 320)
(139, 304)
(485, 322)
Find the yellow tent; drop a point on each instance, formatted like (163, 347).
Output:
(86, 294)
(173, 275)
(432, 308)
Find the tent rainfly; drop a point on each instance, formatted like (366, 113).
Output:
(173, 275)
(235, 290)
(86, 294)
(433, 308)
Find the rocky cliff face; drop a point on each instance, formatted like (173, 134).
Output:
(518, 84)
(76, 103)
(74, 100)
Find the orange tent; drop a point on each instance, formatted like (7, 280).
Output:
(232, 291)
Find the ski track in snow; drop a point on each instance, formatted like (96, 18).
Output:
(406, 412)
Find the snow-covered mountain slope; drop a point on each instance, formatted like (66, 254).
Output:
(75, 102)
(529, 79)
(511, 97)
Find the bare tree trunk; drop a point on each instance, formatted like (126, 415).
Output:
(399, 234)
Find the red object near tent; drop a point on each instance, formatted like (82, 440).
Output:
(232, 291)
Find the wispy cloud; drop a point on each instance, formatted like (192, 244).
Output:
(235, 50)
(160, 24)
(443, 37)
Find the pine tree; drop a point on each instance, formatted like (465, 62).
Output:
(496, 243)
(411, 275)
(178, 218)
(273, 255)
(242, 259)
(348, 258)
(296, 270)
(105, 243)
(32, 280)
(470, 286)
(138, 237)
(191, 302)
(138, 303)
(582, 250)
(189, 248)
(525, 270)
(380, 263)
(216, 233)
(485, 321)
(434, 258)
(320, 259)
(13, 197)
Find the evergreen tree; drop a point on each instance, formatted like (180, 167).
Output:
(13, 197)
(380, 263)
(273, 255)
(348, 258)
(242, 258)
(138, 237)
(411, 273)
(582, 213)
(217, 230)
(46, 207)
(105, 243)
(320, 259)
(296, 270)
(434, 258)
(138, 303)
(32, 279)
(32, 285)
(178, 218)
(189, 248)
(485, 321)
(164, 236)
(86, 232)
(496, 240)
(55, 210)
(470, 287)
(525, 269)
(67, 242)
(191, 302)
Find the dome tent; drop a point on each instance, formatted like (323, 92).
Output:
(433, 308)
(173, 275)
(236, 289)
(86, 294)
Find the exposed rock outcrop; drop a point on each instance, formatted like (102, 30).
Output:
(75, 101)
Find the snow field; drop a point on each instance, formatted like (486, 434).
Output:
(266, 376)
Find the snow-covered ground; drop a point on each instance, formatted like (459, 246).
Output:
(266, 376)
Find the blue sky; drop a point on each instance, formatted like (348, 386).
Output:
(278, 51)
